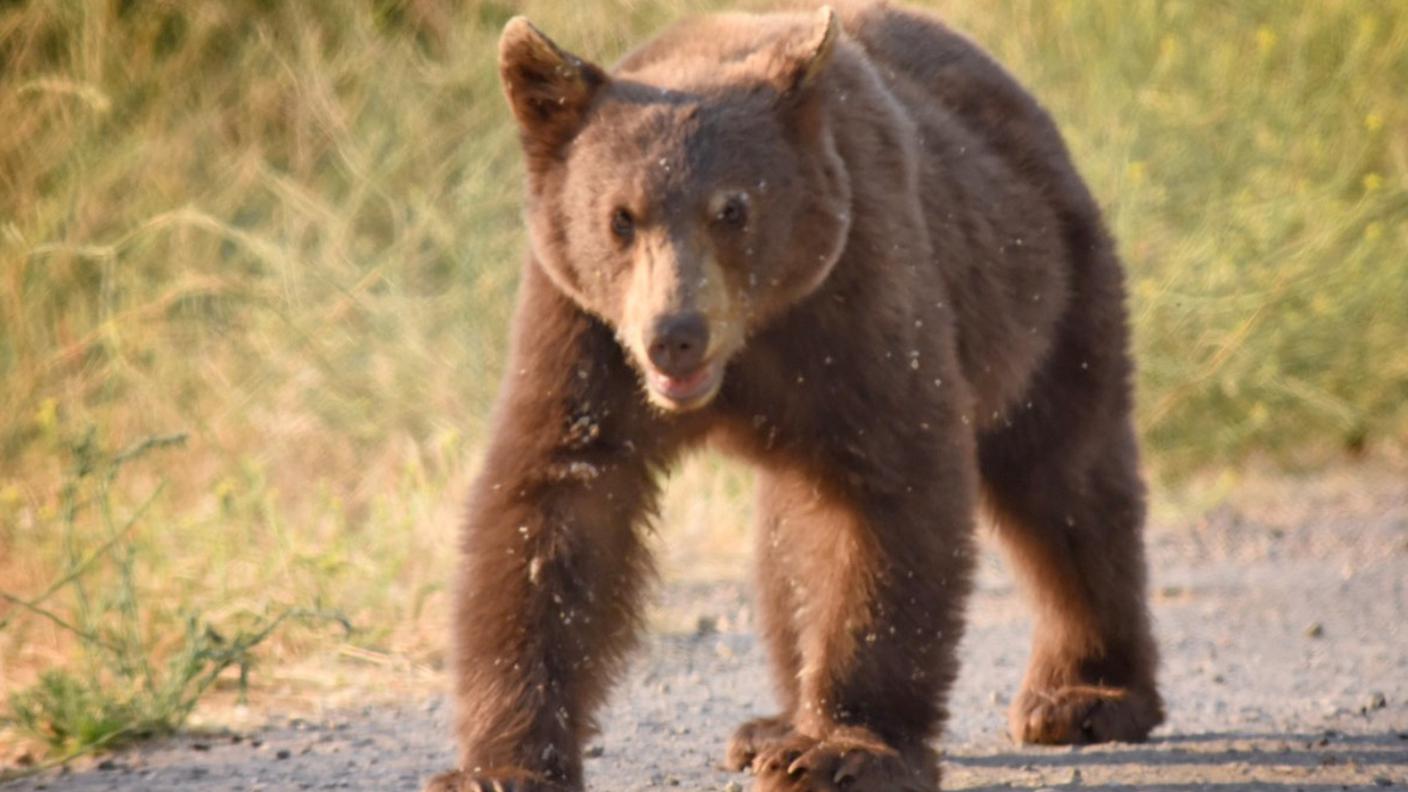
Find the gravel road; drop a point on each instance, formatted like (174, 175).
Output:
(1283, 620)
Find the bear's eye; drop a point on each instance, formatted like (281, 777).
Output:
(623, 225)
(733, 213)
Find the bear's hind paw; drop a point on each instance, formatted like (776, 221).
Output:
(755, 737)
(494, 780)
(1079, 714)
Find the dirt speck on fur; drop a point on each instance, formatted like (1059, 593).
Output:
(1255, 702)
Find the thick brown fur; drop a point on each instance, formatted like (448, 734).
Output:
(909, 305)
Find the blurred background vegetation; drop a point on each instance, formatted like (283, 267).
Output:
(290, 231)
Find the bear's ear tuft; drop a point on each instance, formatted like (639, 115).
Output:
(801, 62)
(548, 88)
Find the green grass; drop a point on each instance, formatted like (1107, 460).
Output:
(1254, 160)
(290, 231)
(132, 675)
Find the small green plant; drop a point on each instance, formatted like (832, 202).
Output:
(129, 678)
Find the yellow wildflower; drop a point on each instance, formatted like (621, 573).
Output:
(1259, 414)
(10, 497)
(46, 418)
(1265, 39)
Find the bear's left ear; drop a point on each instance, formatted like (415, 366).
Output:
(548, 88)
(801, 62)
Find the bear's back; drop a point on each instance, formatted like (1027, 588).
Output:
(1011, 227)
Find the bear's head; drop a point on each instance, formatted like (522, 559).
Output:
(688, 198)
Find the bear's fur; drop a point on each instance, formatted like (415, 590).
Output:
(849, 248)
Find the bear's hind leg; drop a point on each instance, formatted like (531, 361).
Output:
(1074, 534)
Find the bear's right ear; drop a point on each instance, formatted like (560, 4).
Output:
(799, 63)
(548, 88)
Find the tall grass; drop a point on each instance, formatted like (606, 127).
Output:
(1254, 160)
(291, 231)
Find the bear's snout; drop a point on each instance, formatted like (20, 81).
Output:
(678, 343)
(679, 372)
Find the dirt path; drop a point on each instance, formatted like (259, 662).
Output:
(1285, 637)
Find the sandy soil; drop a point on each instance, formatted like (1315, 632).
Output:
(1283, 620)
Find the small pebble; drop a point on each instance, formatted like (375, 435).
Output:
(1374, 701)
(1315, 630)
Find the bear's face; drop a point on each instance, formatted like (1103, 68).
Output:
(685, 218)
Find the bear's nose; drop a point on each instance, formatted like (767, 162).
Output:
(678, 343)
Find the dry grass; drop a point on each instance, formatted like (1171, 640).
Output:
(290, 231)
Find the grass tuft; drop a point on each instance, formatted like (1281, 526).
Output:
(133, 673)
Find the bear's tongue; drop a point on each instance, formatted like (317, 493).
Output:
(679, 386)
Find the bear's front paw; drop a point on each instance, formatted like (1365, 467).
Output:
(753, 738)
(491, 780)
(1078, 714)
(844, 761)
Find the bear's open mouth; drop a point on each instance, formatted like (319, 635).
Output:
(686, 392)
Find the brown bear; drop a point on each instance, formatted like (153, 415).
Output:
(847, 247)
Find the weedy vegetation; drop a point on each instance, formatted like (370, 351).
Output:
(131, 675)
(290, 231)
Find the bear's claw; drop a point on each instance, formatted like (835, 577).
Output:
(799, 763)
(754, 737)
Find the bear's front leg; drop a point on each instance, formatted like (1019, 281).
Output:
(545, 607)
(552, 562)
(877, 582)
